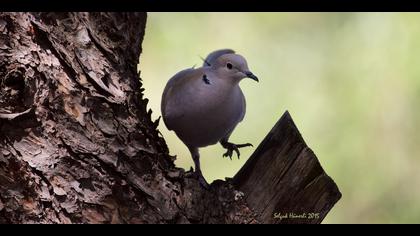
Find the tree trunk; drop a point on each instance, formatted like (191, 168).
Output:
(77, 143)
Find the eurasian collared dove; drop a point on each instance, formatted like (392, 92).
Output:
(204, 105)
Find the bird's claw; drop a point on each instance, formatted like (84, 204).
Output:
(234, 147)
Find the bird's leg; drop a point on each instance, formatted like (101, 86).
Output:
(232, 147)
(197, 170)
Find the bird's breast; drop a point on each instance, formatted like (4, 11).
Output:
(214, 100)
(209, 113)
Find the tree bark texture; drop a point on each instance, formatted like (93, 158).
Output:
(77, 143)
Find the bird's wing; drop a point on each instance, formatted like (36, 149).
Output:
(171, 97)
(211, 58)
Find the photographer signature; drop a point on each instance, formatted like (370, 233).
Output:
(292, 215)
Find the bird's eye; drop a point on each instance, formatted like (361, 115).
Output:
(229, 66)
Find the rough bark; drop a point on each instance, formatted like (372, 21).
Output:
(77, 143)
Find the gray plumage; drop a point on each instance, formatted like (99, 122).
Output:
(204, 105)
(211, 58)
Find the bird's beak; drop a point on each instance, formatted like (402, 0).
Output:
(251, 76)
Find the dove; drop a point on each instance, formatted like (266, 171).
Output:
(204, 105)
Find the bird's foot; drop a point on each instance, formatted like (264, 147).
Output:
(199, 176)
(233, 147)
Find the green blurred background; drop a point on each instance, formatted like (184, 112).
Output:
(351, 82)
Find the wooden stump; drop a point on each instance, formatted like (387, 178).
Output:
(283, 181)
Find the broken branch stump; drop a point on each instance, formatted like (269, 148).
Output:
(283, 181)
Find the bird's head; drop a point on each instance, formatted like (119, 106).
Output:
(233, 66)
